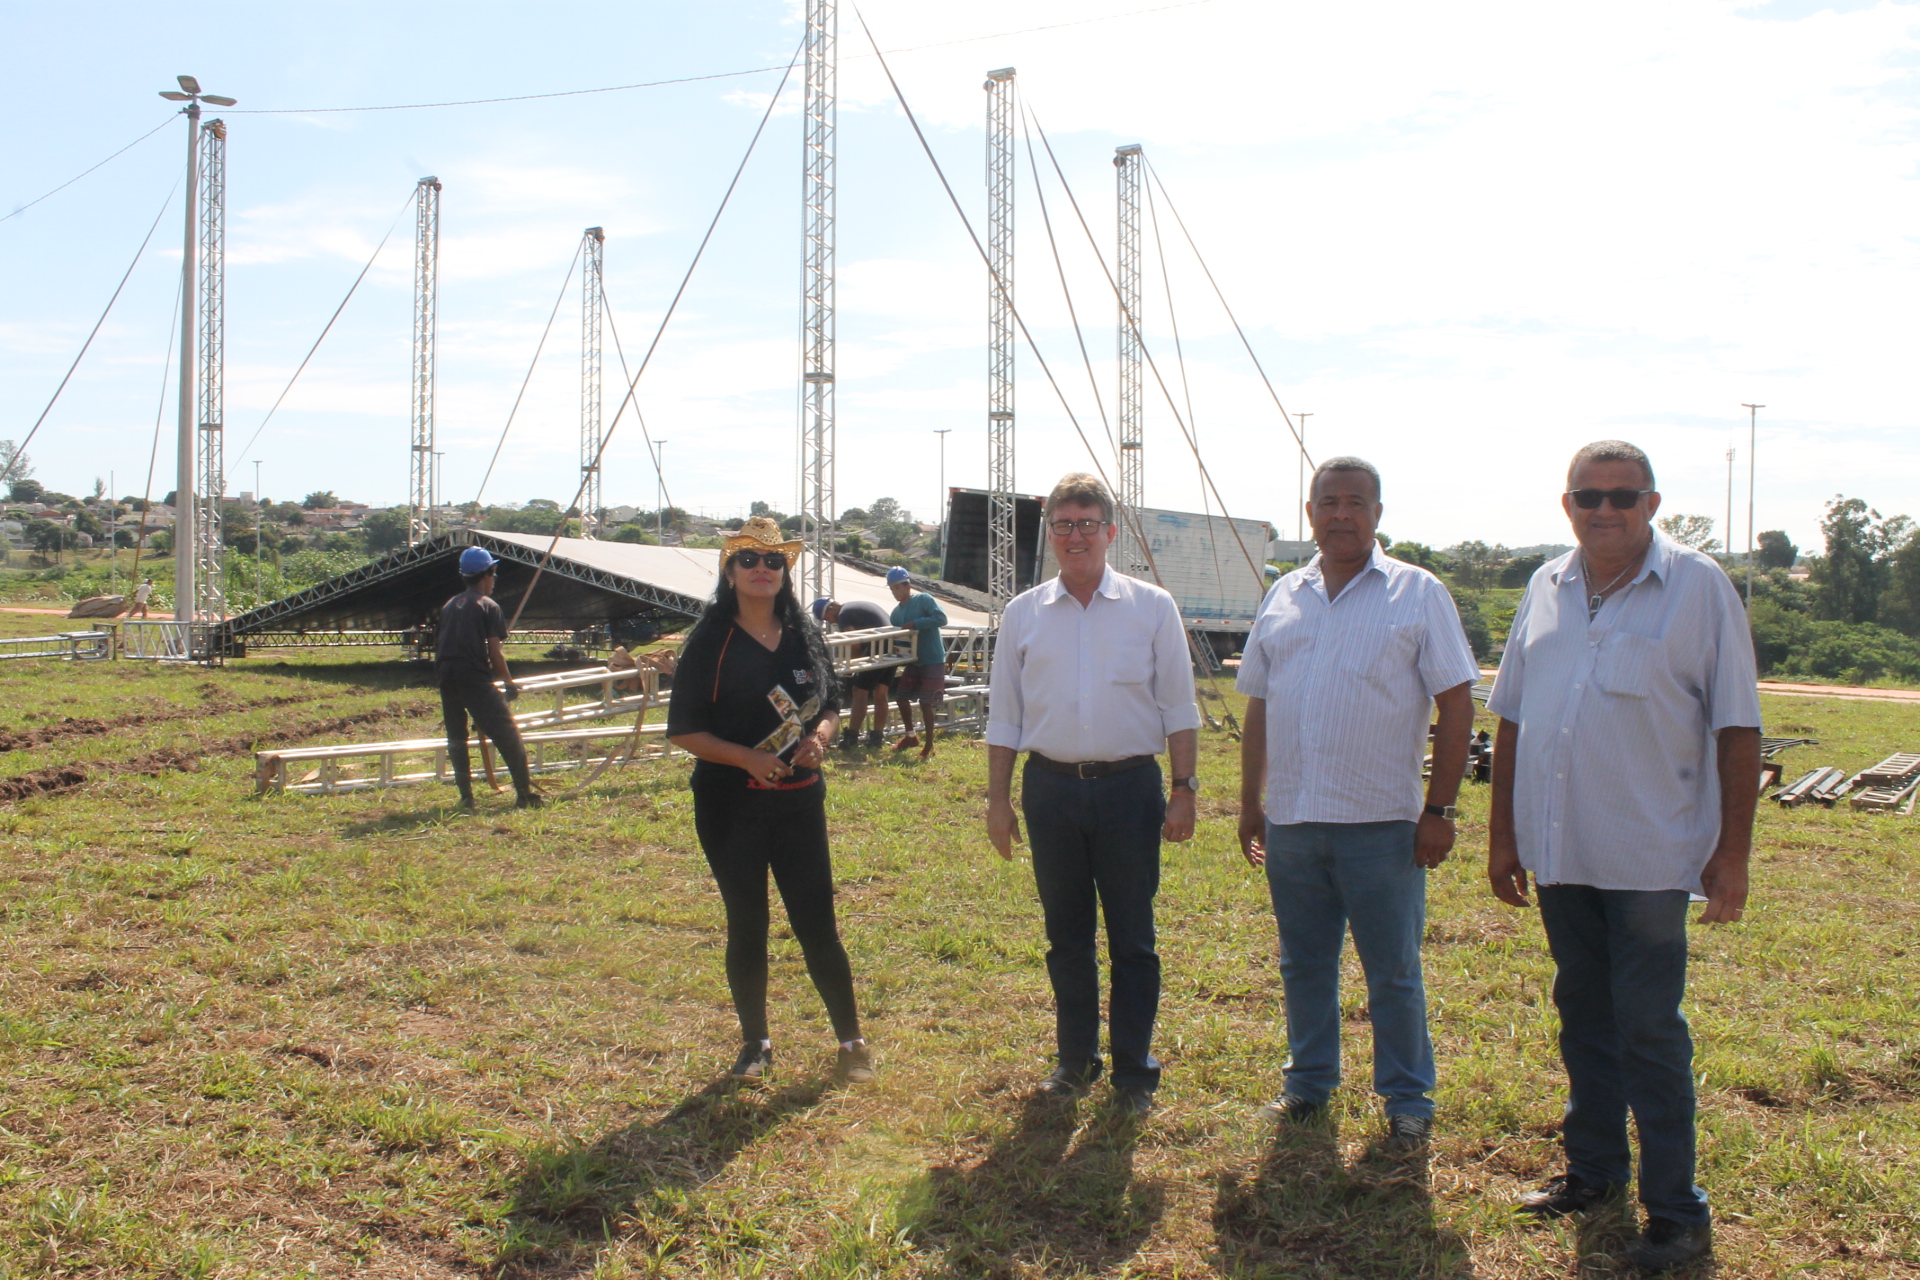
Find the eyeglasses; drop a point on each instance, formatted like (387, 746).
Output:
(1622, 499)
(1088, 526)
(751, 559)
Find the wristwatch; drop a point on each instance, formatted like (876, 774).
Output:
(1441, 811)
(1189, 783)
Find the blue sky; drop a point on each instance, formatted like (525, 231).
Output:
(1466, 240)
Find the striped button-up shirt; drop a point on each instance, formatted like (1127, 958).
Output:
(1101, 682)
(1349, 686)
(1615, 780)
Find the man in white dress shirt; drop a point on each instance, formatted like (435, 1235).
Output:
(1343, 668)
(1625, 776)
(1091, 677)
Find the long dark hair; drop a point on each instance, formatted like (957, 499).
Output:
(724, 607)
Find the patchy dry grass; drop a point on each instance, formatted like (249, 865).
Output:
(365, 1035)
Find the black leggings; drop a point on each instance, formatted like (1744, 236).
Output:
(472, 692)
(745, 833)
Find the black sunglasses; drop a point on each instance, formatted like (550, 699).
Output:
(1622, 499)
(752, 559)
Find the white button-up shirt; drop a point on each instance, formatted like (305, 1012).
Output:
(1349, 686)
(1101, 682)
(1616, 784)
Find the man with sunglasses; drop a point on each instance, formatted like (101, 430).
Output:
(1347, 661)
(1624, 781)
(1091, 678)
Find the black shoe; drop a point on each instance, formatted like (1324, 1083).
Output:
(1067, 1084)
(1407, 1135)
(849, 739)
(874, 738)
(1290, 1108)
(1667, 1244)
(1133, 1100)
(855, 1065)
(528, 800)
(754, 1063)
(1568, 1194)
(466, 802)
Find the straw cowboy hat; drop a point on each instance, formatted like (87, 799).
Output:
(760, 534)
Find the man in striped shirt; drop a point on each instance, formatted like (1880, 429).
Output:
(1344, 665)
(1624, 779)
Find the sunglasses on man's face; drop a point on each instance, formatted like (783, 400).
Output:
(751, 559)
(1066, 528)
(1622, 499)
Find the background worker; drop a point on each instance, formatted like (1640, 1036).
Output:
(142, 595)
(1347, 659)
(1624, 780)
(925, 679)
(468, 656)
(756, 701)
(868, 686)
(1092, 679)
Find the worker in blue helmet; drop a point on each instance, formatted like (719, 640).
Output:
(468, 654)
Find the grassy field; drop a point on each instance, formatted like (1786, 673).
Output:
(366, 1035)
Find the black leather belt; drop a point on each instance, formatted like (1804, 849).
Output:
(1088, 768)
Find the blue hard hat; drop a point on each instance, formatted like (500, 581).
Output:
(819, 608)
(476, 560)
(897, 574)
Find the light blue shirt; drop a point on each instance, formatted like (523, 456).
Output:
(1349, 686)
(1616, 782)
(1105, 681)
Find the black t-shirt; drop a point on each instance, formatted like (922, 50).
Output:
(858, 615)
(730, 685)
(466, 623)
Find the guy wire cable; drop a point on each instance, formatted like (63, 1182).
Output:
(534, 364)
(666, 495)
(1153, 365)
(14, 462)
(159, 416)
(328, 328)
(1131, 516)
(171, 117)
(660, 332)
(1201, 259)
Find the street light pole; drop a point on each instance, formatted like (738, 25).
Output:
(1300, 507)
(259, 538)
(184, 542)
(943, 433)
(1753, 414)
(660, 491)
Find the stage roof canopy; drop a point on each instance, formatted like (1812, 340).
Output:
(586, 582)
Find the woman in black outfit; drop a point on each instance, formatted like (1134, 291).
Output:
(755, 700)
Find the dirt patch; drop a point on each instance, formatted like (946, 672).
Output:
(92, 727)
(42, 782)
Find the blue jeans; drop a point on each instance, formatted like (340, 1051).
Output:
(1325, 877)
(1096, 849)
(1621, 956)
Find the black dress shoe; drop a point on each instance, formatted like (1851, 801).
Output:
(1135, 1100)
(1290, 1109)
(1567, 1194)
(1667, 1244)
(1066, 1083)
(1407, 1135)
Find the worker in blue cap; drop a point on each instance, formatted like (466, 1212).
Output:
(924, 680)
(468, 653)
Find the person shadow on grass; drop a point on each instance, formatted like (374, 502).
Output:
(572, 1199)
(1057, 1192)
(1306, 1211)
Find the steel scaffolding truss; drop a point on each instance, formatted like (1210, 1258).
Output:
(1002, 581)
(817, 429)
(1129, 557)
(593, 247)
(209, 578)
(426, 294)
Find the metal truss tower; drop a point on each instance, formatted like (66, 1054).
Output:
(210, 478)
(816, 432)
(593, 249)
(1002, 579)
(1129, 556)
(426, 296)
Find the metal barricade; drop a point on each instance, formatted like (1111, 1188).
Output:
(166, 640)
(71, 646)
